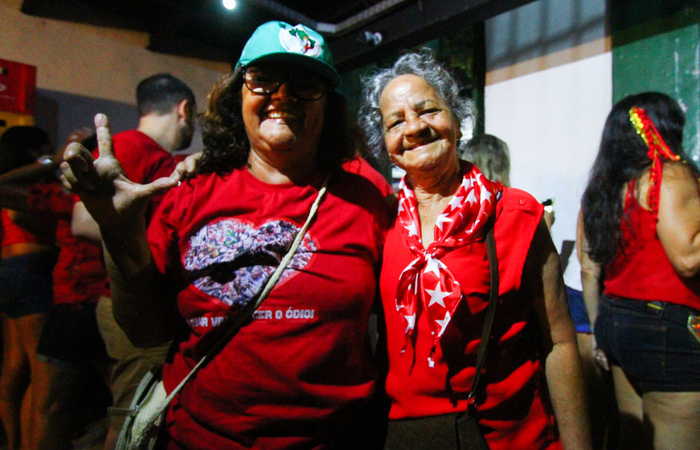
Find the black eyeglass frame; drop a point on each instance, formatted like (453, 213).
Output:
(291, 85)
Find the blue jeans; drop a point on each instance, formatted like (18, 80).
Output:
(650, 341)
(578, 310)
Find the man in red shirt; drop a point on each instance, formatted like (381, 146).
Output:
(166, 108)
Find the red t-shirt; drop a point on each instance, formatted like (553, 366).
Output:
(516, 412)
(288, 378)
(79, 274)
(361, 167)
(643, 271)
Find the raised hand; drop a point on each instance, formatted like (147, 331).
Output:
(112, 199)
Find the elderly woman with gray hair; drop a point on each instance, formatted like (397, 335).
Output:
(435, 283)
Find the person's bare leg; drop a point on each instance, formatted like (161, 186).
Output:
(13, 381)
(632, 433)
(27, 417)
(601, 396)
(674, 419)
(30, 332)
(53, 406)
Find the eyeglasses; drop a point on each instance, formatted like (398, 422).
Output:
(258, 81)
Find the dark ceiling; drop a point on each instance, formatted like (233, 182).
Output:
(204, 29)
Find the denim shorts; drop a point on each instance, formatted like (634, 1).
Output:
(650, 341)
(26, 286)
(578, 310)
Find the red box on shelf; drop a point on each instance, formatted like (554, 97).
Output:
(17, 87)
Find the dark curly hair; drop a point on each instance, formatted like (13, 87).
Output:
(621, 158)
(226, 145)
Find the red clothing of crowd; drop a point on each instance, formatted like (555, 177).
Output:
(14, 234)
(642, 271)
(79, 274)
(361, 167)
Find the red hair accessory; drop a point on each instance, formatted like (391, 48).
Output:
(657, 149)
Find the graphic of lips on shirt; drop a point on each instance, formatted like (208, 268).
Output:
(232, 260)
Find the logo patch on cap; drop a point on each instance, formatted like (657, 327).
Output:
(297, 40)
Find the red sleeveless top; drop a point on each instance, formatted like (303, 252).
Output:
(14, 234)
(516, 411)
(643, 271)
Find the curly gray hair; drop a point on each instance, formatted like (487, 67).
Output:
(425, 66)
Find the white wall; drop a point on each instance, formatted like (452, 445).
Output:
(89, 61)
(548, 92)
(93, 63)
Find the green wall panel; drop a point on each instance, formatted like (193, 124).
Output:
(662, 54)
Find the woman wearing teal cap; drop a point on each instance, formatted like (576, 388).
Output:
(275, 132)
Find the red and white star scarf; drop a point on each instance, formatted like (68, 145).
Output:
(426, 281)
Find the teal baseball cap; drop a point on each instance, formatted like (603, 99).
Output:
(279, 41)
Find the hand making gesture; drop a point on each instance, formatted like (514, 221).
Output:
(117, 204)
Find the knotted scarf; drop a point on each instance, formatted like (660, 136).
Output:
(426, 283)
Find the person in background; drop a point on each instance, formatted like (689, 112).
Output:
(275, 129)
(166, 108)
(581, 274)
(69, 343)
(25, 288)
(641, 222)
(491, 155)
(435, 282)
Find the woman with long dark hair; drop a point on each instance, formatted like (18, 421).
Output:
(641, 213)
